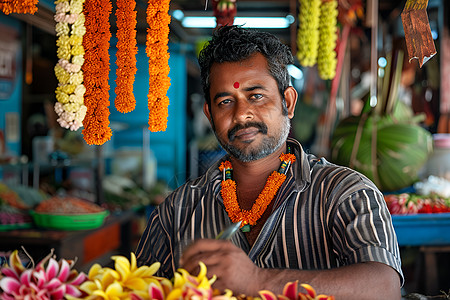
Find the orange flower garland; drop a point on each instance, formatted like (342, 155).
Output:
(126, 55)
(228, 192)
(157, 49)
(18, 6)
(96, 71)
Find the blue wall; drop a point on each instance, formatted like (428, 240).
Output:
(13, 104)
(169, 147)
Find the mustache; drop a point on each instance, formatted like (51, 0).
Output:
(262, 127)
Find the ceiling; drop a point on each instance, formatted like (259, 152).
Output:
(252, 8)
(387, 9)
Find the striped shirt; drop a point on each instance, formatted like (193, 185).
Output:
(324, 216)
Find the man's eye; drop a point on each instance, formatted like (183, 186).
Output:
(223, 102)
(256, 96)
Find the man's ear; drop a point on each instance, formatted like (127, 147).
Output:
(206, 111)
(290, 95)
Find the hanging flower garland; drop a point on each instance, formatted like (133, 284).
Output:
(157, 49)
(70, 29)
(308, 32)
(96, 71)
(126, 55)
(18, 6)
(326, 54)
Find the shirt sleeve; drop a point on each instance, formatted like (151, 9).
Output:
(155, 246)
(363, 231)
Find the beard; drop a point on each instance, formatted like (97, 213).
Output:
(268, 146)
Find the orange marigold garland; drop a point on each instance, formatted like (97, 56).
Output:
(126, 55)
(96, 71)
(157, 50)
(18, 6)
(273, 183)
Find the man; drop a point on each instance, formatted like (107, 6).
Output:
(323, 224)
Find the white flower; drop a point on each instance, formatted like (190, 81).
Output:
(76, 78)
(76, 6)
(62, 7)
(59, 108)
(80, 90)
(71, 18)
(62, 28)
(78, 59)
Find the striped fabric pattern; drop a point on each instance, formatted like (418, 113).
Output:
(324, 216)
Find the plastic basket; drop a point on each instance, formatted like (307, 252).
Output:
(69, 222)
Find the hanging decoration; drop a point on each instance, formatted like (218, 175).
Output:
(70, 30)
(126, 55)
(416, 26)
(157, 50)
(96, 71)
(308, 32)
(224, 11)
(18, 6)
(317, 35)
(326, 55)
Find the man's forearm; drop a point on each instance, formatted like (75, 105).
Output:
(361, 281)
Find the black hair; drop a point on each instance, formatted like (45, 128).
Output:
(234, 44)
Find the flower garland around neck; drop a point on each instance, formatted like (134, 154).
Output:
(19, 6)
(96, 71)
(126, 55)
(273, 183)
(70, 30)
(157, 49)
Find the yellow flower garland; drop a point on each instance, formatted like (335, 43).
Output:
(157, 48)
(228, 192)
(70, 29)
(96, 71)
(18, 6)
(126, 55)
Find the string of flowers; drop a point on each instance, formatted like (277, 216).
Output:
(126, 55)
(70, 30)
(18, 6)
(157, 49)
(228, 192)
(96, 71)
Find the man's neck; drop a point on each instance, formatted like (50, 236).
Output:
(253, 175)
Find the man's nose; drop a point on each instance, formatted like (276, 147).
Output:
(243, 111)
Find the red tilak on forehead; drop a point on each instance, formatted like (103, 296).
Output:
(236, 85)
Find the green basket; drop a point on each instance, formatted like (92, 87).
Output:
(69, 222)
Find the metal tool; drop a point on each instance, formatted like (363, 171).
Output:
(228, 232)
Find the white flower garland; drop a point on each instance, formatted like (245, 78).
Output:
(70, 29)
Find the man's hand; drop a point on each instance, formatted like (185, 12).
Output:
(230, 264)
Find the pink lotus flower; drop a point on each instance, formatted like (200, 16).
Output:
(290, 292)
(49, 280)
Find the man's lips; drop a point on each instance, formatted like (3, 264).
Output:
(246, 133)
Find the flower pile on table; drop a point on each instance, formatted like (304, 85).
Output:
(407, 203)
(52, 279)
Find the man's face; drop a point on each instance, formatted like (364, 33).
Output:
(246, 108)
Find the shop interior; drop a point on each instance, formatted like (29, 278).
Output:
(132, 173)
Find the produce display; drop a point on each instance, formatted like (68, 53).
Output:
(14, 203)
(52, 279)
(67, 205)
(405, 203)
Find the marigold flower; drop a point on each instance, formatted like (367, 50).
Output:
(157, 51)
(96, 71)
(126, 55)
(19, 6)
